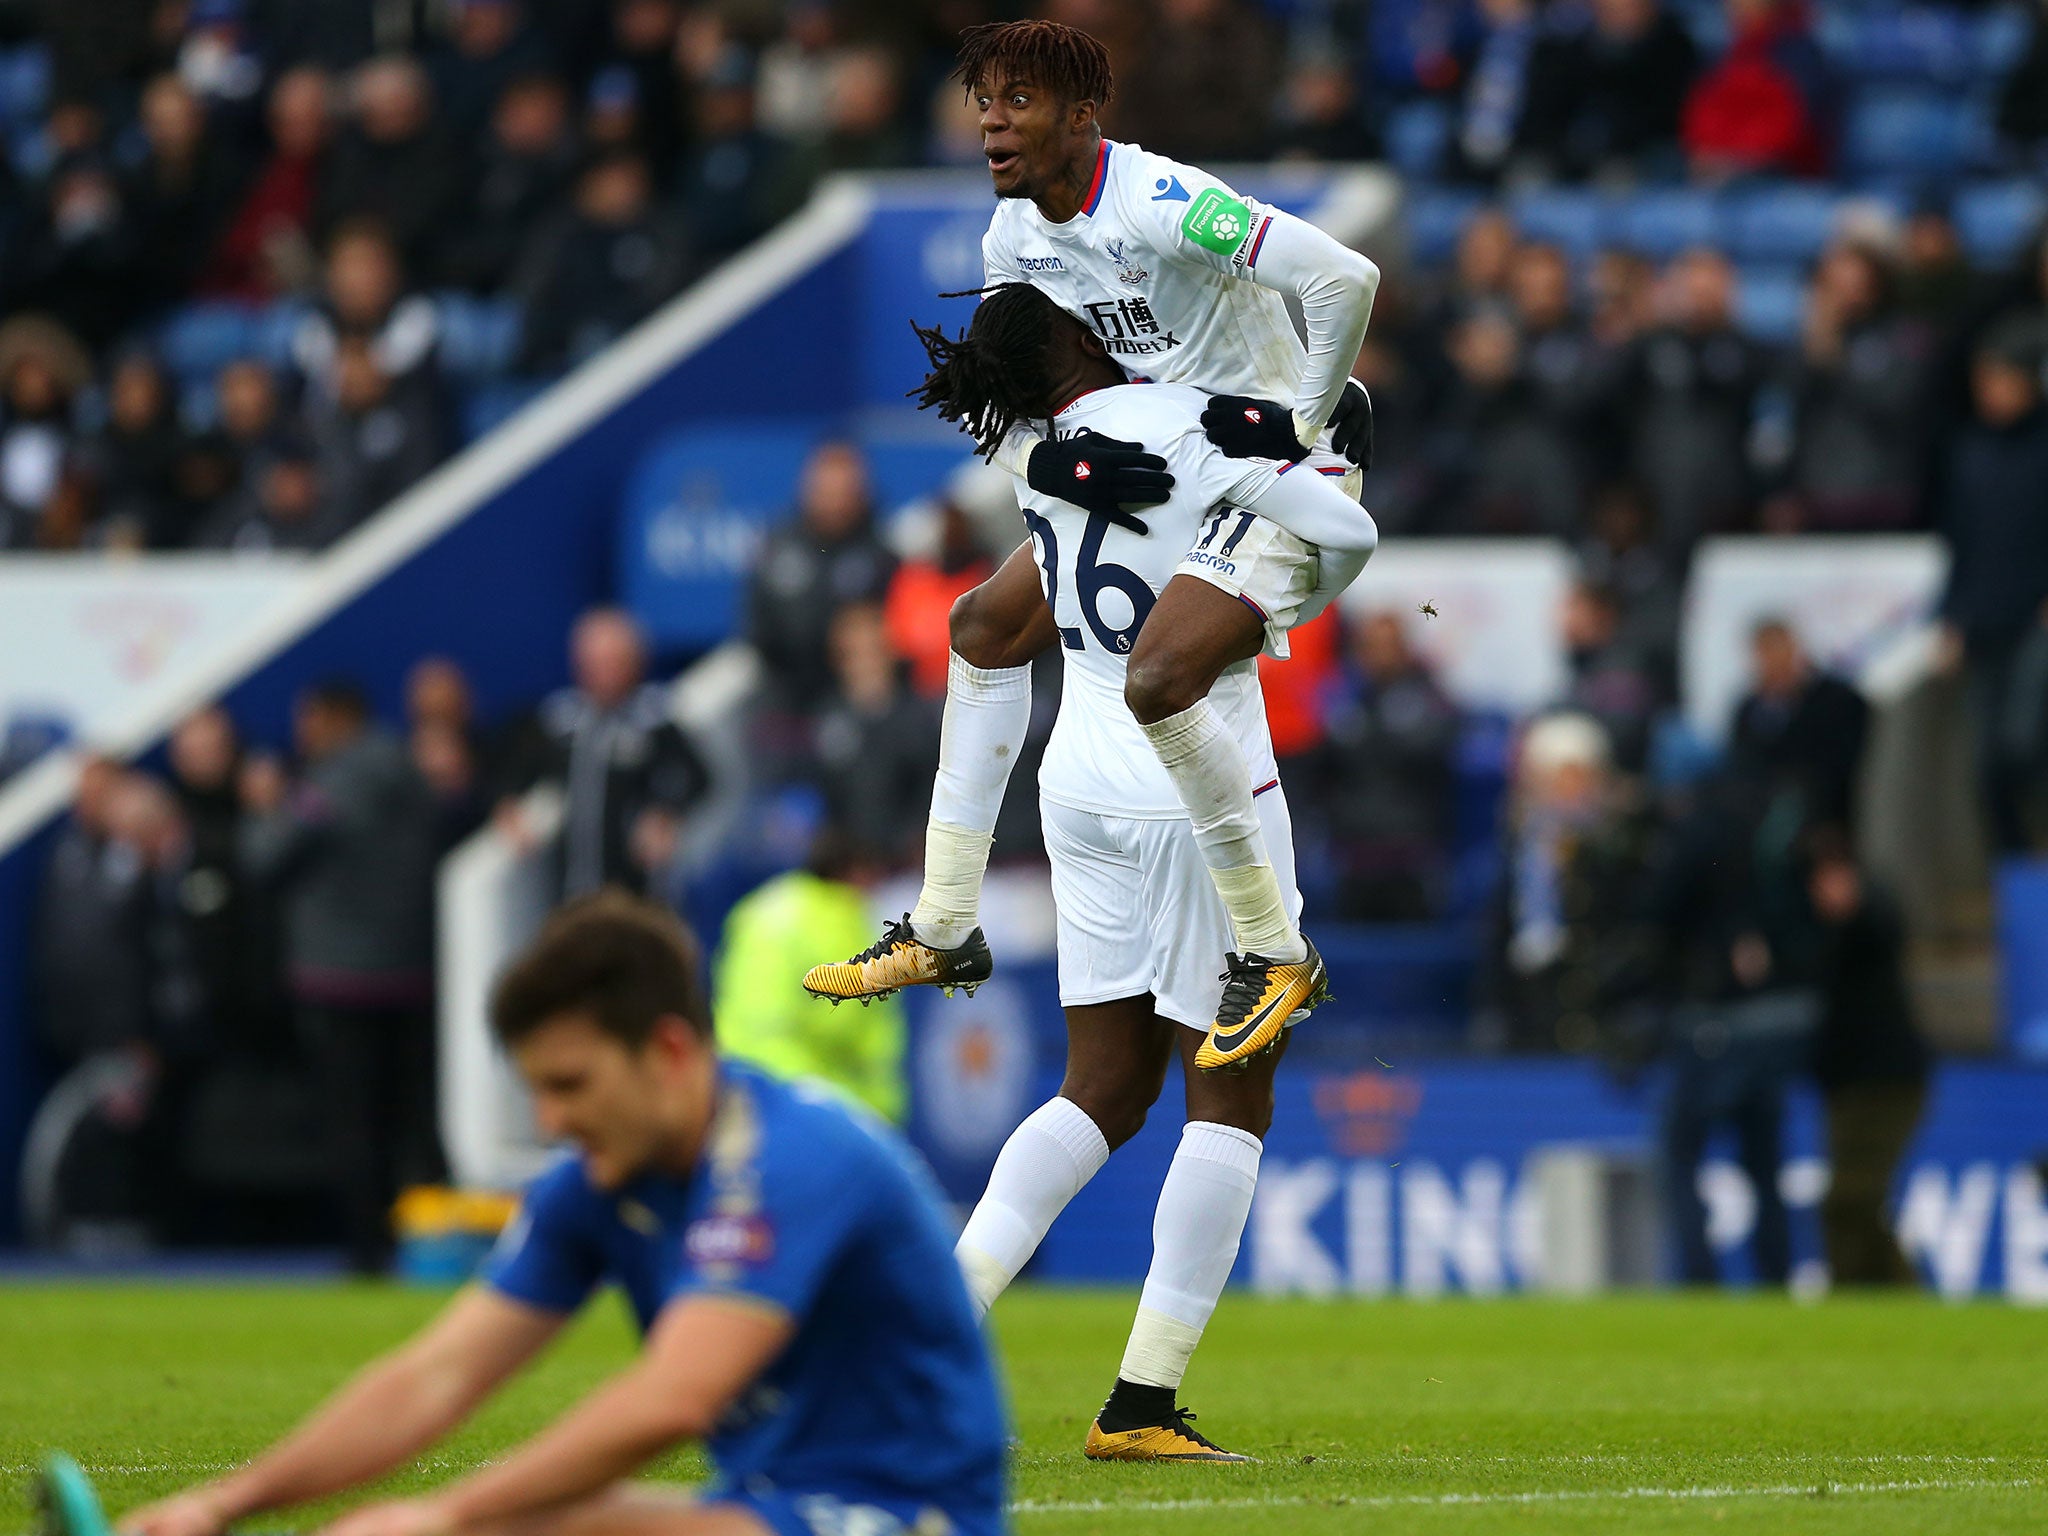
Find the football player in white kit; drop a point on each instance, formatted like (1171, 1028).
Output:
(1139, 925)
(1181, 280)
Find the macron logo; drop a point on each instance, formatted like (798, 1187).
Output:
(1169, 190)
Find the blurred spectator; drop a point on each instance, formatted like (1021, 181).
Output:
(1994, 516)
(732, 161)
(1401, 472)
(1604, 97)
(1766, 106)
(627, 773)
(864, 129)
(1501, 462)
(440, 718)
(643, 45)
(134, 458)
(602, 268)
(1566, 369)
(1385, 778)
(1686, 394)
(372, 446)
(829, 555)
(393, 164)
(1620, 554)
(234, 937)
(1861, 399)
(214, 465)
(1201, 88)
(1800, 728)
(488, 46)
(1934, 283)
(42, 369)
(921, 594)
(1497, 89)
(1565, 943)
(282, 505)
(1323, 122)
(1622, 290)
(525, 166)
(91, 953)
(796, 72)
(2023, 100)
(771, 938)
(181, 193)
(350, 851)
(874, 740)
(266, 248)
(1298, 692)
(1871, 1063)
(365, 298)
(1617, 678)
(80, 255)
(1730, 903)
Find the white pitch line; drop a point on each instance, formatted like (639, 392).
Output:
(1534, 1496)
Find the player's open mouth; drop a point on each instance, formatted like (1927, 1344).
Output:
(1000, 160)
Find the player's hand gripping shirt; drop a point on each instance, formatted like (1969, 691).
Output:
(1101, 581)
(1162, 262)
(886, 1389)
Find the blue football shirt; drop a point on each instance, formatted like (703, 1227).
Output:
(886, 1390)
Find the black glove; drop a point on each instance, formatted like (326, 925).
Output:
(1100, 474)
(1351, 424)
(1248, 428)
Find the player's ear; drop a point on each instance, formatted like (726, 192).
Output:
(1091, 344)
(1081, 116)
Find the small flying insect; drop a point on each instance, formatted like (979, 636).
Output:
(1427, 610)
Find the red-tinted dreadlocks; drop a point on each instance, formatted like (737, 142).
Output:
(1044, 53)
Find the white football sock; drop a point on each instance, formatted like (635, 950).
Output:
(988, 712)
(1215, 786)
(1042, 1166)
(1195, 1232)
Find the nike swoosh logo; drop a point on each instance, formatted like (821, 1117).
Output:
(1254, 1021)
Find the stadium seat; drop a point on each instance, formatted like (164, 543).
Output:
(24, 84)
(1996, 219)
(479, 337)
(1581, 222)
(1914, 131)
(199, 339)
(1770, 303)
(1418, 138)
(1998, 41)
(1783, 223)
(1436, 217)
(1919, 43)
(1660, 224)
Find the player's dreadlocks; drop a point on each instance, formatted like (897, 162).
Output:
(1045, 53)
(995, 373)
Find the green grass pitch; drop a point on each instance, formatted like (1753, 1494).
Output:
(1642, 1414)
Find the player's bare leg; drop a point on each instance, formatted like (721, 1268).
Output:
(1276, 976)
(996, 630)
(1117, 1054)
(1196, 1230)
(636, 1509)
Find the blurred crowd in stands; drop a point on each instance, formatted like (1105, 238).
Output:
(260, 259)
(265, 262)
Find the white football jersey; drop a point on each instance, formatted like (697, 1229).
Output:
(1160, 263)
(1101, 580)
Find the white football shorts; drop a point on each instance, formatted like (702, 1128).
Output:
(1262, 564)
(1137, 911)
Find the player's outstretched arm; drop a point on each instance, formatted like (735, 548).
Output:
(1335, 286)
(1310, 507)
(703, 1352)
(388, 1413)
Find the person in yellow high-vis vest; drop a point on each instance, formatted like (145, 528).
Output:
(765, 1016)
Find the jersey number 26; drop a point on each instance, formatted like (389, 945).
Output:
(1092, 576)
